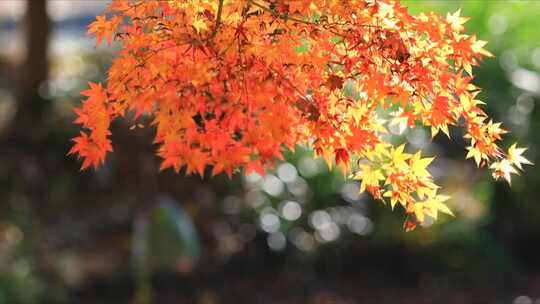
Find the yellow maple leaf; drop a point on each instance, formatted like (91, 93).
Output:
(478, 47)
(369, 177)
(199, 25)
(456, 21)
(398, 157)
(436, 204)
(476, 154)
(515, 158)
(419, 165)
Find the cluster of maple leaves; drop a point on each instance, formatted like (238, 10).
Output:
(230, 84)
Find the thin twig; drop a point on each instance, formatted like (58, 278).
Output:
(281, 16)
(287, 17)
(218, 18)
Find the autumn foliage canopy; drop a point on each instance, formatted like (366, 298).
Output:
(230, 84)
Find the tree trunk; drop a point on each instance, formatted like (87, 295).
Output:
(35, 68)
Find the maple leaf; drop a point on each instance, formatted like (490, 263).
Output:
(410, 224)
(504, 169)
(399, 158)
(342, 156)
(103, 28)
(515, 158)
(199, 25)
(476, 154)
(478, 47)
(334, 82)
(370, 177)
(93, 152)
(436, 204)
(196, 161)
(456, 21)
(419, 165)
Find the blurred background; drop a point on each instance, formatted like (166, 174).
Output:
(129, 234)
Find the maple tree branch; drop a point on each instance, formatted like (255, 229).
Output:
(218, 18)
(287, 17)
(281, 16)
